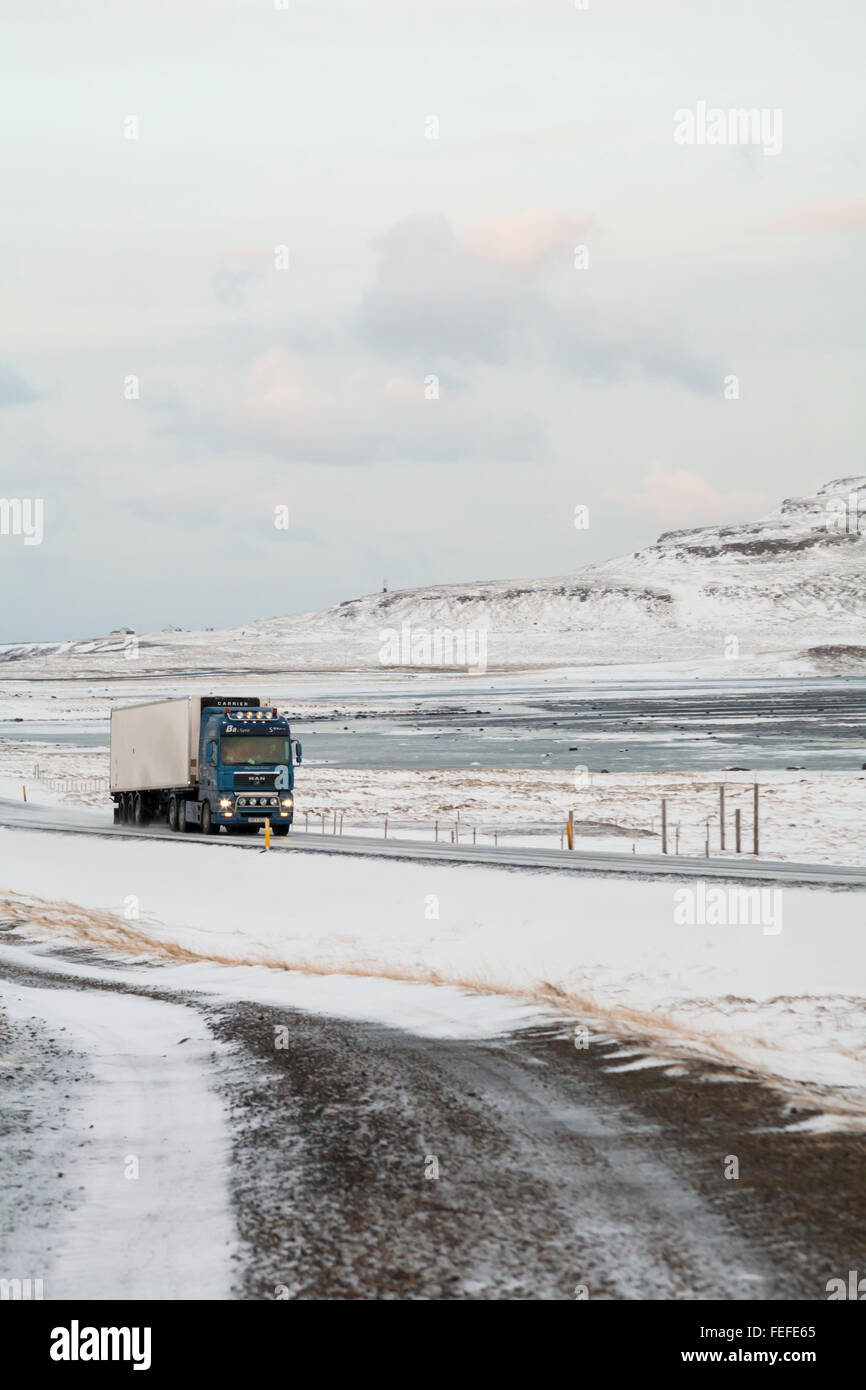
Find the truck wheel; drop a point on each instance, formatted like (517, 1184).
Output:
(128, 808)
(118, 811)
(139, 816)
(207, 825)
(279, 830)
(181, 816)
(172, 814)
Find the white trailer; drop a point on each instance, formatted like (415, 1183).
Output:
(155, 746)
(204, 760)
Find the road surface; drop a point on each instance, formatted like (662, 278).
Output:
(363, 1162)
(746, 869)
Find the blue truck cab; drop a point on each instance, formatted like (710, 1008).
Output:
(246, 771)
(203, 761)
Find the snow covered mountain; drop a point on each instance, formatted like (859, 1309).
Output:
(784, 594)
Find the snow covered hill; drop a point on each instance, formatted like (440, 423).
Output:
(784, 594)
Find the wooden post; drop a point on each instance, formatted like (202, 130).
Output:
(664, 826)
(755, 817)
(306, 820)
(737, 829)
(386, 827)
(496, 838)
(721, 816)
(334, 825)
(677, 832)
(341, 822)
(437, 831)
(707, 841)
(323, 822)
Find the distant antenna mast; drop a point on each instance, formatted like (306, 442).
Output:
(384, 586)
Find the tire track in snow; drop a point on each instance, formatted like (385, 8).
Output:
(167, 1232)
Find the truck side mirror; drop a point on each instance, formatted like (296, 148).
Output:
(298, 752)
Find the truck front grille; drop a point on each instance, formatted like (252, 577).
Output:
(255, 781)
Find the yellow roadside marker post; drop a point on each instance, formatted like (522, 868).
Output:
(570, 830)
(267, 834)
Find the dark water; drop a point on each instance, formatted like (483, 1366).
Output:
(818, 725)
(70, 736)
(637, 730)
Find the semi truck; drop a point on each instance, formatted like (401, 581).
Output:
(204, 761)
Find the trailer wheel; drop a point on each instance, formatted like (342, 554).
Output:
(118, 811)
(128, 808)
(172, 814)
(207, 825)
(139, 815)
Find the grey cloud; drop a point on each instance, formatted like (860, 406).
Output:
(231, 286)
(435, 301)
(348, 427)
(14, 390)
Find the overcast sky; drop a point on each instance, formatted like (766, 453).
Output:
(431, 169)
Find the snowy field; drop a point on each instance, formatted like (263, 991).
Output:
(787, 590)
(810, 817)
(782, 997)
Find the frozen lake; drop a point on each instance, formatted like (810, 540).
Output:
(820, 726)
(644, 727)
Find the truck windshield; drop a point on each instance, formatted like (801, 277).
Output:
(255, 750)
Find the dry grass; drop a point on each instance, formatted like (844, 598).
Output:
(670, 1037)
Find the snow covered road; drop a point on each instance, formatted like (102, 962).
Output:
(370, 1161)
(145, 1148)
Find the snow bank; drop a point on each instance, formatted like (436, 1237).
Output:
(786, 1003)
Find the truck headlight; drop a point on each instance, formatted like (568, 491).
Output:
(225, 803)
(288, 801)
